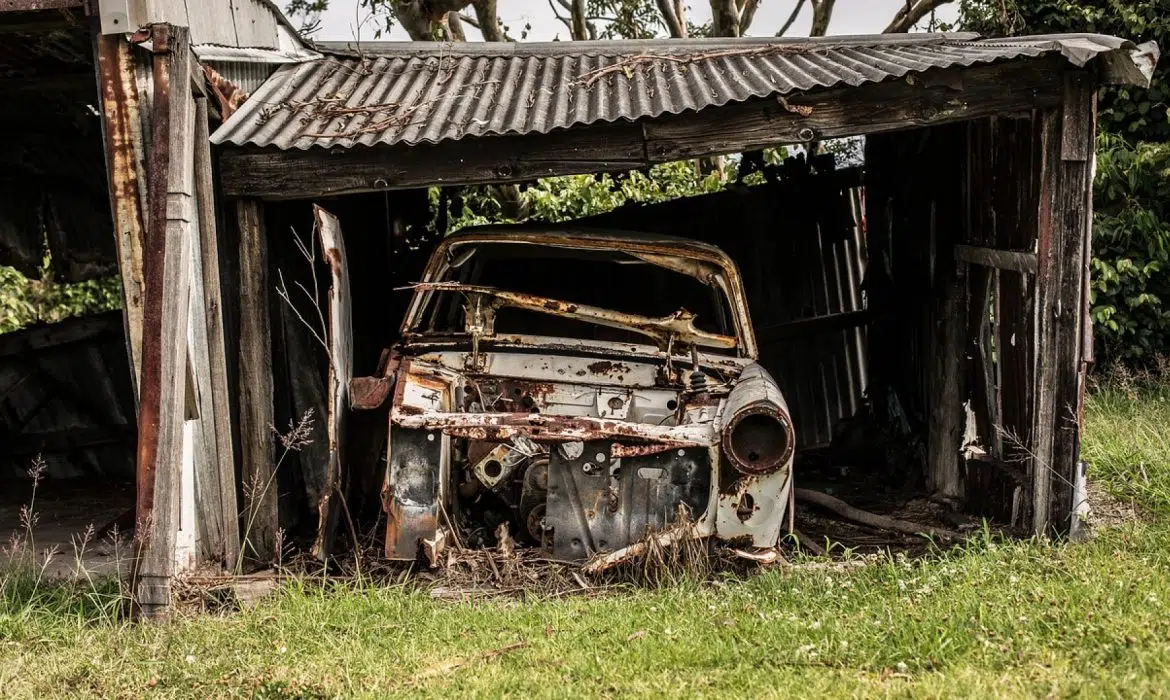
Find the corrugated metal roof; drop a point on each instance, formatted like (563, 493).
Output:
(412, 92)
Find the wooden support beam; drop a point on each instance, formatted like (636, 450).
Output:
(946, 336)
(215, 480)
(1065, 214)
(939, 98)
(297, 174)
(1075, 205)
(125, 144)
(258, 535)
(163, 391)
(1013, 260)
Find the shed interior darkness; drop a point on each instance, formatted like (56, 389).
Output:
(850, 282)
(66, 399)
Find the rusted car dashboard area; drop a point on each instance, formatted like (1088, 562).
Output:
(584, 442)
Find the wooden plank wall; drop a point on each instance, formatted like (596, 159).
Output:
(1002, 206)
(1009, 232)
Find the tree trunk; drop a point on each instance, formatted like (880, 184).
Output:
(822, 13)
(911, 13)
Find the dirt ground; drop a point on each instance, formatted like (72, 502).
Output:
(64, 512)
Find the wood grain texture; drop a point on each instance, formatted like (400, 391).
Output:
(218, 499)
(258, 537)
(1013, 260)
(946, 332)
(340, 341)
(1074, 212)
(297, 174)
(164, 368)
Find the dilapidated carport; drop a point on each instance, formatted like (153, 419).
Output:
(943, 285)
(964, 312)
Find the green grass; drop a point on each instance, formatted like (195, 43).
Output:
(993, 619)
(1127, 440)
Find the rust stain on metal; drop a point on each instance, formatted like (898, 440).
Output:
(608, 367)
(504, 426)
(123, 131)
(395, 516)
(679, 325)
(150, 391)
(689, 257)
(618, 450)
(369, 393)
(227, 93)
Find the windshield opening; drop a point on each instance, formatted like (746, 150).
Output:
(612, 280)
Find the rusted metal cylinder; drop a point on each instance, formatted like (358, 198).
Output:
(757, 432)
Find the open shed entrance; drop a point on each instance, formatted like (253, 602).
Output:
(67, 402)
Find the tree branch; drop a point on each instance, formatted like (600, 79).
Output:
(822, 13)
(578, 29)
(747, 12)
(489, 20)
(454, 27)
(911, 13)
(724, 18)
(674, 24)
(791, 18)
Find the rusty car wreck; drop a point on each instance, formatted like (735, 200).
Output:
(582, 426)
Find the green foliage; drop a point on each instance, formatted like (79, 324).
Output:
(1139, 115)
(563, 198)
(1131, 241)
(24, 301)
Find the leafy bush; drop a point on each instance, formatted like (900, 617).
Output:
(1131, 245)
(24, 301)
(576, 196)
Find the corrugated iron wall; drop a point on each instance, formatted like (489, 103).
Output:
(65, 394)
(800, 245)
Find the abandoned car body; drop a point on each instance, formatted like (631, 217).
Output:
(583, 387)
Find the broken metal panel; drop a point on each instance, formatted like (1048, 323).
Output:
(340, 334)
(689, 257)
(414, 491)
(754, 507)
(66, 395)
(598, 502)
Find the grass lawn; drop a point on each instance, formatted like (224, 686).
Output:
(991, 619)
